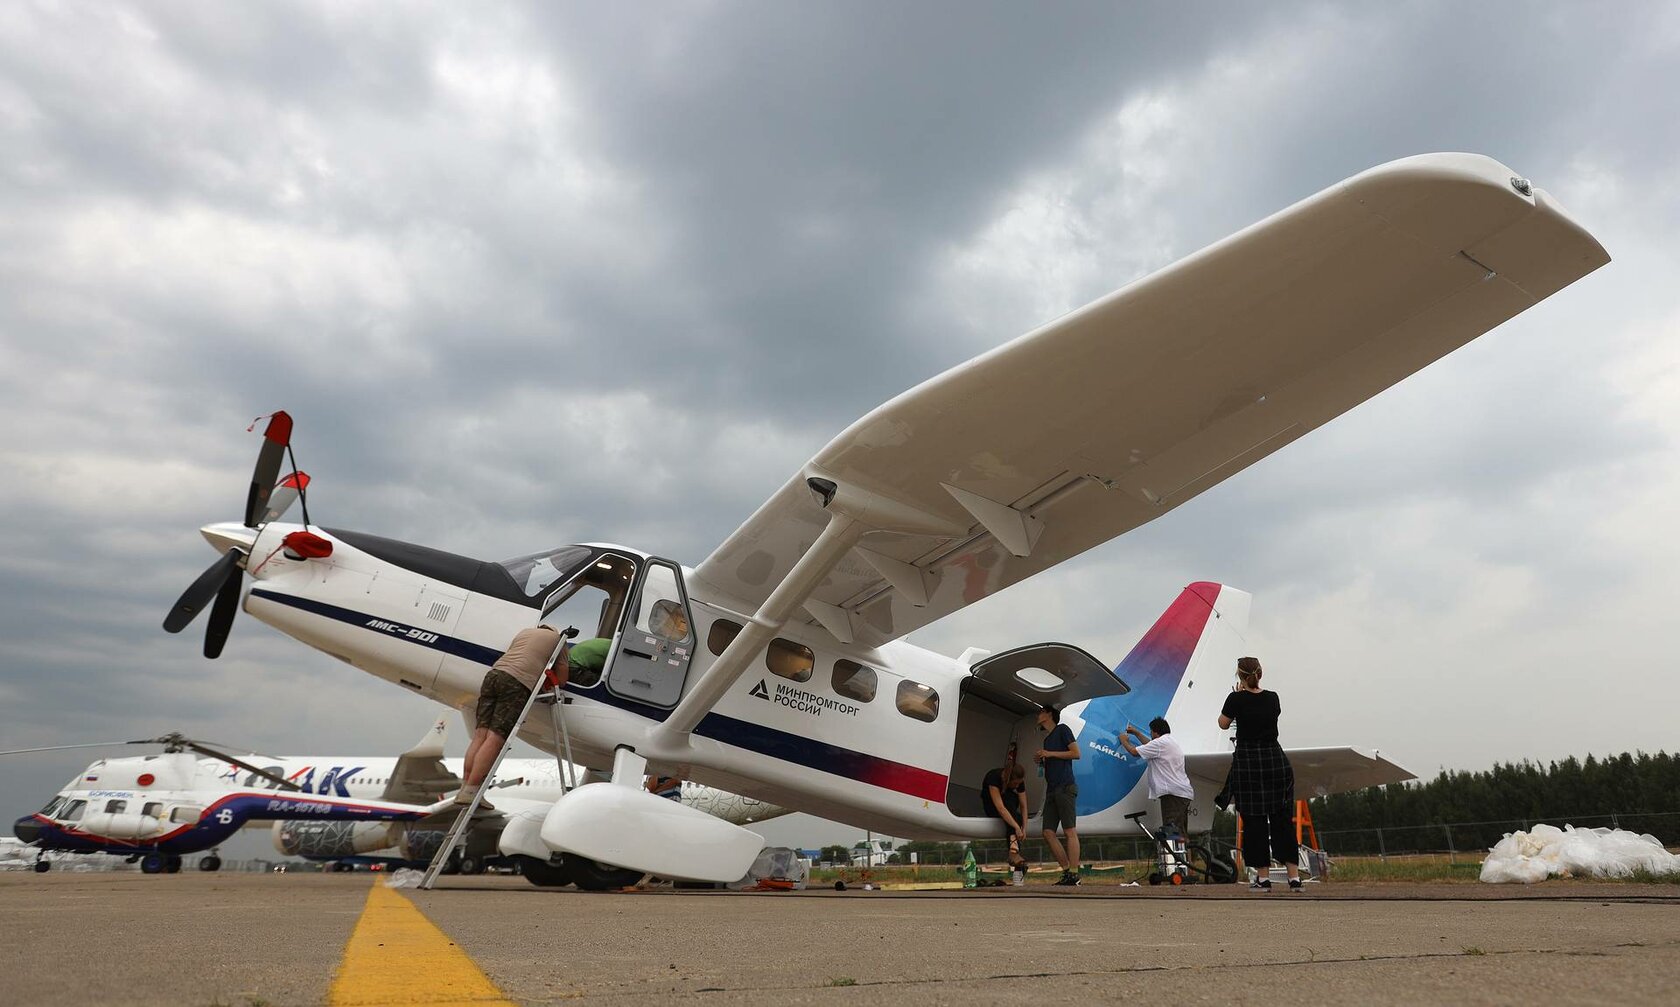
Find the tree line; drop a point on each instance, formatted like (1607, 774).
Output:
(1641, 791)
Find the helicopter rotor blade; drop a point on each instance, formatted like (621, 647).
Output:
(62, 748)
(279, 781)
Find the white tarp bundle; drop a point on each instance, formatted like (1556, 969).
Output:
(1527, 857)
(405, 877)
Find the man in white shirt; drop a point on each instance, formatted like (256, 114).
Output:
(1167, 779)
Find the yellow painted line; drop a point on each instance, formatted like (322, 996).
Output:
(922, 886)
(397, 956)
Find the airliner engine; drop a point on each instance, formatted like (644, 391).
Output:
(334, 839)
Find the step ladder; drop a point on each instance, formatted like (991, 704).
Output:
(547, 692)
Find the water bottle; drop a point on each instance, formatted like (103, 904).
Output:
(970, 870)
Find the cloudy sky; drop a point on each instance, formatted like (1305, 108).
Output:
(528, 275)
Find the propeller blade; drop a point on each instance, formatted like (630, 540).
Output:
(279, 781)
(221, 617)
(199, 593)
(275, 438)
(284, 495)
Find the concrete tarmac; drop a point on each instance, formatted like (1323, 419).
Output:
(248, 940)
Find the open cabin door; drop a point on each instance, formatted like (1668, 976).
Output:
(656, 644)
(998, 712)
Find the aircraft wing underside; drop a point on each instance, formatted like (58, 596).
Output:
(1116, 413)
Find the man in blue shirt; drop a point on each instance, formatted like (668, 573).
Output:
(1060, 792)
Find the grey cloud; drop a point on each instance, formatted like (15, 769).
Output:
(548, 274)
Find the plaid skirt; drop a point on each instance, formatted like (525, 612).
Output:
(1261, 779)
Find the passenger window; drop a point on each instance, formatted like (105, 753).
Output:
(661, 608)
(153, 810)
(854, 681)
(918, 701)
(185, 813)
(790, 660)
(721, 635)
(115, 807)
(73, 811)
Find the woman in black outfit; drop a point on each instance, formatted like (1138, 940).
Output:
(1261, 782)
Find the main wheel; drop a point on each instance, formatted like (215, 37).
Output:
(593, 877)
(42, 867)
(543, 875)
(151, 863)
(173, 864)
(471, 865)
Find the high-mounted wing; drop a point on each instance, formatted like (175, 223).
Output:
(1116, 413)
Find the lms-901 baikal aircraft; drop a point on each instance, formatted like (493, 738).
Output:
(777, 667)
(345, 809)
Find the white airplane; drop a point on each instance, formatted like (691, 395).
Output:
(795, 685)
(157, 808)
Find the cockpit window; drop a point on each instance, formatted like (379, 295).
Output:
(52, 806)
(73, 811)
(537, 572)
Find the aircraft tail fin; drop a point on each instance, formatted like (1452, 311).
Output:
(1179, 670)
(1195, 643)
(430, 744)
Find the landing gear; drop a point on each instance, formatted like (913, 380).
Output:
(172, 864)
(210, 863)
(543, 875)
(42, 866)
(470, 865)
(151, 863)
(590, 876)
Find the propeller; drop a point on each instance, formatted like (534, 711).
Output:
(265, 501)
(172, 742)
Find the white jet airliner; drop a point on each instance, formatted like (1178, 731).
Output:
(788, 678)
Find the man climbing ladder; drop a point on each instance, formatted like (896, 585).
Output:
(506, 694)
(504, 704)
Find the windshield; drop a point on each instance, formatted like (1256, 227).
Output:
(536, 572)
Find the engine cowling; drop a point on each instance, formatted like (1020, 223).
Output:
(334, 839)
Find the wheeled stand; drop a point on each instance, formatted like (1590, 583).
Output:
(1176, 859)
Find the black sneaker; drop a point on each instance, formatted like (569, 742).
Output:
(1069, 878)
(1260, 885)
(1295, 884)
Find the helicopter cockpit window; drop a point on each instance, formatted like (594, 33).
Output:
(539, 571)
(73, 811)
(115, 807)
(52, 806)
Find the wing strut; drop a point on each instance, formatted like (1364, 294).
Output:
(837, 538)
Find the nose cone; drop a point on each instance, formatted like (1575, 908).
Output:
(27, 830)
(228, 535)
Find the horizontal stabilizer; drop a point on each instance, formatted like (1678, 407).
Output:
(1319, 772)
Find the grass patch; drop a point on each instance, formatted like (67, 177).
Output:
(842, 981)
(1474, 951)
